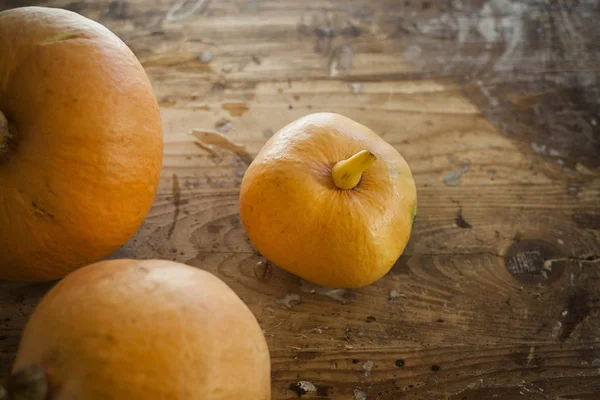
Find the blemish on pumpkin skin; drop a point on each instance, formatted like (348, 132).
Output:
(177, 203)
(37, 210)
(62, 37)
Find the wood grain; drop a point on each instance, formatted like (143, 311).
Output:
(494, 104)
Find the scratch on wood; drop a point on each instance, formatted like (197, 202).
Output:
(341, 60)
(341, 295)
(530, 355)
(289, 300)
(452, 178)
(319, 329)
(557, 330)
(212, 141)
(175, 13)
(359, 394)
(368, 367)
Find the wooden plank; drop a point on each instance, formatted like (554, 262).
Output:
(495, 106)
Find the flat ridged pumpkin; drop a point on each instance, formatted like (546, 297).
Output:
(330, 201)
(141, 330)
(81, 143)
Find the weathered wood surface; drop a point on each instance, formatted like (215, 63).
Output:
(495, 105)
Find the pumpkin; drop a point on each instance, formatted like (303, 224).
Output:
(329, 200)
(81, 143)
(137, 330)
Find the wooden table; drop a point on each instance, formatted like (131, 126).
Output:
(495, 105)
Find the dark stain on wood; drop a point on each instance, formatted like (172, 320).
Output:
(527, 358)
(460, 221)
(582, 396)
(505, 393)
(351, 31)
(322, 391)
(268, 133)
(167, 102)
(401, 266)
(218, 87)
(256, 60)
(6, 4)
(577, 309)
(212, 228)
(558, 123)
(76, 6)
(519, 62)
(307, 355)
(176, 202)
(294, 387)
(586, 220)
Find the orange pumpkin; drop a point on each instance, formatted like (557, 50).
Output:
(330, 201)
(80, 143)
(137, 330)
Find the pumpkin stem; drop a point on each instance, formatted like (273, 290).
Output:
(4, 135)
(348, 173)
(29, 383)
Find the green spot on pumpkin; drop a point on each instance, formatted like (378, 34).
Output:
(60, 38)
(413, 213)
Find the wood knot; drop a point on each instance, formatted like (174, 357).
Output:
(531, 261)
